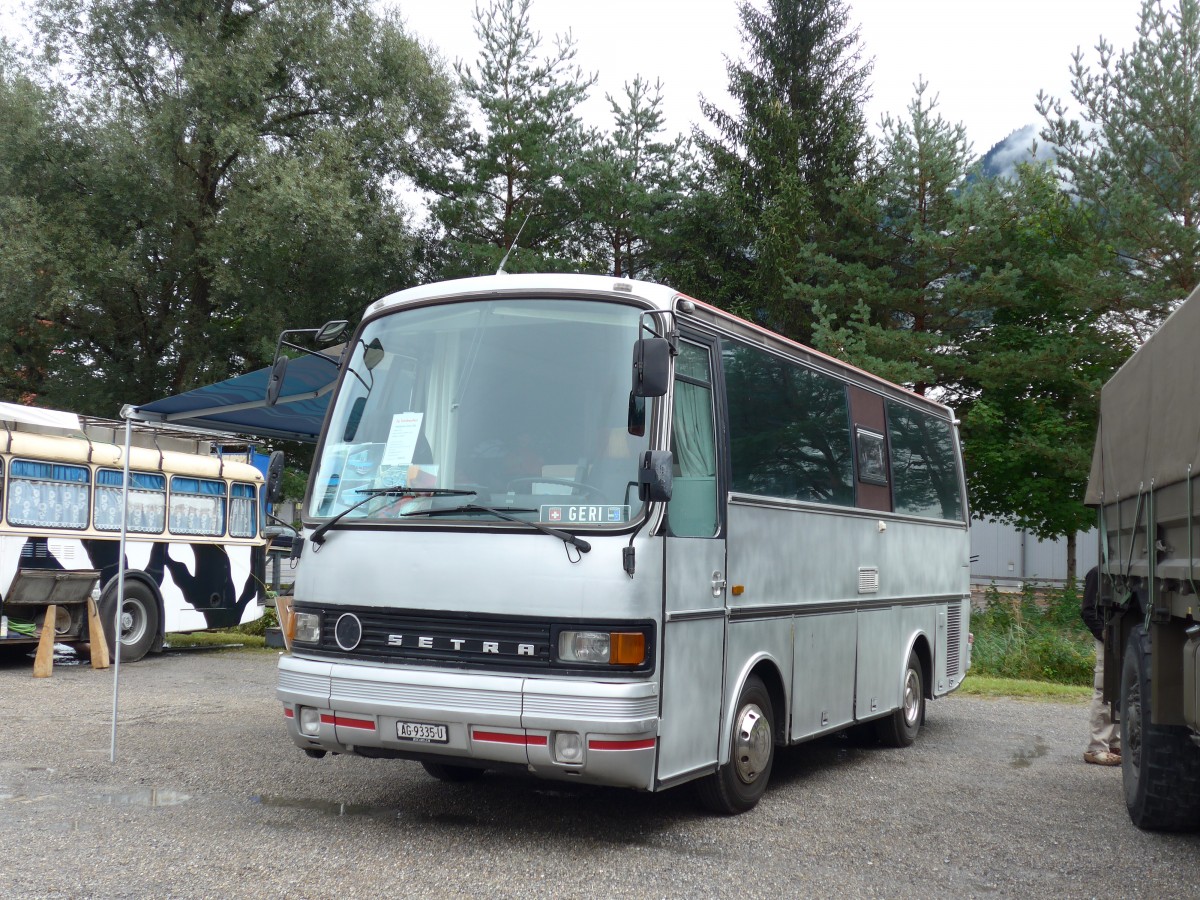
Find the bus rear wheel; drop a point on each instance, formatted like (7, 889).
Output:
(139, 619)
(738, 785)
(901, 727)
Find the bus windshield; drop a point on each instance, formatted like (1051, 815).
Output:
(521, 402)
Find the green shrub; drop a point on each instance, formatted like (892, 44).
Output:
(1034, 635)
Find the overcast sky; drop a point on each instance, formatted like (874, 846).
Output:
(986, 61)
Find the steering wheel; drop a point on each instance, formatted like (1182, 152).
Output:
(577, 487)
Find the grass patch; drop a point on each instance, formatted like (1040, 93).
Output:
(1022, 688)
(1034, 636)
(215, 639)
(250, 635)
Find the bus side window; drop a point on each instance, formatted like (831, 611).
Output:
(692, 511)
(925, 475)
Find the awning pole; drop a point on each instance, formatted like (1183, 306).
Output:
(120, 605)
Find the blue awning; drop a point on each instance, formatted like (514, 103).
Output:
(238, 405)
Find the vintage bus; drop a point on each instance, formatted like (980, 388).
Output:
(516, 555)
(195, 555)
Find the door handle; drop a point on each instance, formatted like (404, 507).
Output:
(718, 584)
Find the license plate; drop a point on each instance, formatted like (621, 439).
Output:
(421, 733)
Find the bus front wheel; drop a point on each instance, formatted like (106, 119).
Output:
(139, 619)
(738, 785)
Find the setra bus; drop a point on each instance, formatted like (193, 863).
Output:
(195, 554)
(513, 555)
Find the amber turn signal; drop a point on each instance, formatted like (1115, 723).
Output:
(628, 648)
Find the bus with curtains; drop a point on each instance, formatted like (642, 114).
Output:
(520, 551)
(195, 554)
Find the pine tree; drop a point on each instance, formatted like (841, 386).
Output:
(521, 170)
(1133, 161)
(897, 291)
(630, 184)
(770, 169)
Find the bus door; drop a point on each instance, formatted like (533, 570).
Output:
(694, 597)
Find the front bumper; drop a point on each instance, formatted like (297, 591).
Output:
(488, 718)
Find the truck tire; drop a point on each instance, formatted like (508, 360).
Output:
(1160, 766)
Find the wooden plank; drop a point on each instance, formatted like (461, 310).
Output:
(43, 663)
(99, 646)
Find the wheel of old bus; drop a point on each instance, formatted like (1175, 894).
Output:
(1160, 767)
(901, 727)
(139, 619)
(451, 773)
(737, 786)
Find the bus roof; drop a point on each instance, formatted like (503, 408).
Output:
(653, 295)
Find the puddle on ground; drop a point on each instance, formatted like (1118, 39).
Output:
(338, 808)
(146, 797)
(331, 807)
(1023, 757)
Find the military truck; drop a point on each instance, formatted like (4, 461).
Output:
(1143, 482)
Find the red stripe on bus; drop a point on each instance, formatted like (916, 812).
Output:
(647, 744)
(365, 724)
(327, 719)
(498, 737)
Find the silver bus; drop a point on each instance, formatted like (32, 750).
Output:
(521, 551)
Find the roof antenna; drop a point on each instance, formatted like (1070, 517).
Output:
(512, 246)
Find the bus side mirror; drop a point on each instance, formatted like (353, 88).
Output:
(655, 476)
(274, 491)
(275, 382)
(651, 367)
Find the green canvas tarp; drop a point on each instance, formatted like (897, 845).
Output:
(1150, 413)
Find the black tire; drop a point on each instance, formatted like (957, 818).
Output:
(1160, 766)
(451, 773)
(901, 727)
(739, 784)
(139, 619)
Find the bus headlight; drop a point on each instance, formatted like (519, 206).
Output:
(308, 628)
(310, 721)
(618, 648)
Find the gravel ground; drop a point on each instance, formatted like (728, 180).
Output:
(209, 799)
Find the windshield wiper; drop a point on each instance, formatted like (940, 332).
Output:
(399, 490)
(565, 536)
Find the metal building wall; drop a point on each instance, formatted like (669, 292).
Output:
(1008, 556)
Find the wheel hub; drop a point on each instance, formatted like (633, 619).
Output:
(752, 750)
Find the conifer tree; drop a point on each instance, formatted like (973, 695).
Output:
(1132, 158)
(522, 169)
(631, 183)
(771, 166)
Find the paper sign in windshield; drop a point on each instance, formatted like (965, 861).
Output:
(402, 439)
(590, 514)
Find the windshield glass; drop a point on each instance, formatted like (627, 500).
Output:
(523, 402)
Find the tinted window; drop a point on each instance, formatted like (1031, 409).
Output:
(924, 465)
(789, 429)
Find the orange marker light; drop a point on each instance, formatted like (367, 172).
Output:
(738, 589)
(627, 648)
